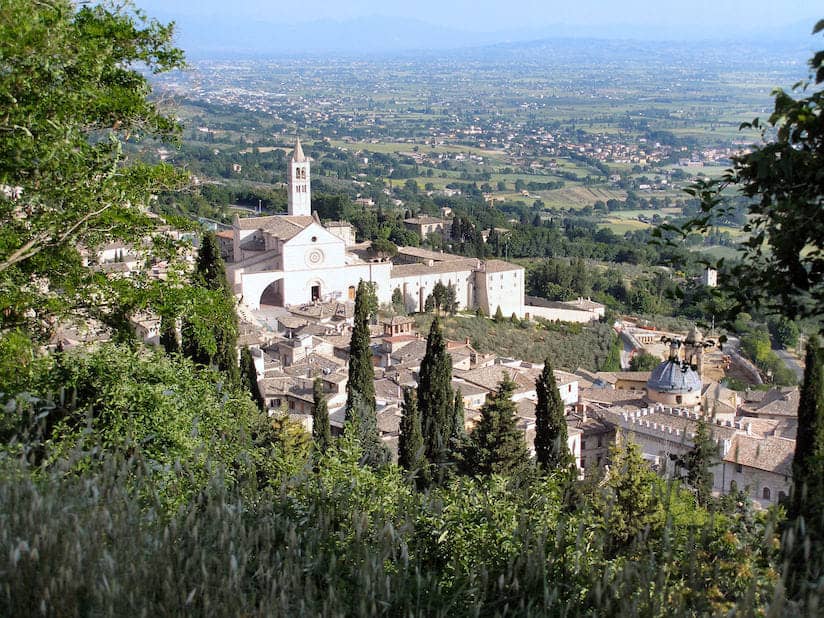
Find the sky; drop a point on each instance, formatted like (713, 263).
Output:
(510, 20)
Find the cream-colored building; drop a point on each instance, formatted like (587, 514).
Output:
(292, 259)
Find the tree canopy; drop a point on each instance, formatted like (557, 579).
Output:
(71, 95)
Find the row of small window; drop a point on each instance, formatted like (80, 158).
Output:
(300, 188)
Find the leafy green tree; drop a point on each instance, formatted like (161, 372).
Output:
(321, 430)
(436, 399)
(644, 361)
(499, 315)
(248, 378)
(72, 92)
(496, 445)
(361, 412)
(411, 456)
(803, 544)
(782, 260)
(551, 448)
(384, 248)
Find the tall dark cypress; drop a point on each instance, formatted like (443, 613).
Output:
(551, 448)
(803, 541)
(248, 377)
(209, 266)
(321, 431)
(435, 398)
(411, 455)
(361, 414)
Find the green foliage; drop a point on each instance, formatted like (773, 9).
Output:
(72, 93)
(803, 542)
(168, 334)
(699, 461)
(644, 361)
(210, 271)
(248, 378)
(568, 345)
(361, 413)
(629, 505)
(115, 399)
(613, 361)
(436, 401)
(782, 259)
(411, 455)
(551, 449)
(321, 430)
(499, 315)
(496, 445)
(397, 301)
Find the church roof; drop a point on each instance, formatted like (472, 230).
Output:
(280, 226)
(498, 266)
(297, 153)
(670, 377)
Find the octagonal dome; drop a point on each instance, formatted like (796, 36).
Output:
(669, 377)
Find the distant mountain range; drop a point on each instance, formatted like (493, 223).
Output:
(203, 35)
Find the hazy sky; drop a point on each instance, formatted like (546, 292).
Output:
(492, 15)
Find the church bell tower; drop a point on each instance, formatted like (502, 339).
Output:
(298, 184)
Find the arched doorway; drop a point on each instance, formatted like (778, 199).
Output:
(273, 294)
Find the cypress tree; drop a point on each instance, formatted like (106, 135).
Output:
(436, 400)
(361, 413)
(209, 266)
(551, 449)
(321, 431)
(248, 378)
(803, 542)
(613, 360)
(497, 445)
(411, 455)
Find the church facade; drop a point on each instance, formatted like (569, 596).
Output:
(294, 259)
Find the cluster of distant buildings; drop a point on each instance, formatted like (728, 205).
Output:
(295, 279)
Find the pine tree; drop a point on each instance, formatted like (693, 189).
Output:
(551, 449)
(499, 315)
(168, 334)
(698, 461)
(803, 542)
(436, 399)
(361, 413)
(628, 503)
(411, 455)
(321, 431)
(248, 378)
(497, 445)
(209, 266)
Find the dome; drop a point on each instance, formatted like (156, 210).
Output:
(669, 377)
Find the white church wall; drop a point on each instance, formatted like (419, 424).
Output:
(313, 247)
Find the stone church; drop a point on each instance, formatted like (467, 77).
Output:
(294, 259)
